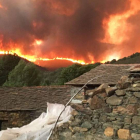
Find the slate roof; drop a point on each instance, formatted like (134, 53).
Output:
(110, 73)
(135, 69)
(32, 98)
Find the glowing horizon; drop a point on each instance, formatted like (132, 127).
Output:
(34, 58)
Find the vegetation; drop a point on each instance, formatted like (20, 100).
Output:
(51, 77)
(18, 72)
(74, 71)
(15, 71)
(24, 74)
(7, 63)
(132, 59)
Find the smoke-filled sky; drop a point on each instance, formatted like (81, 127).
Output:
(90, 30)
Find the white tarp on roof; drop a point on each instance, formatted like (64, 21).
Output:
(40, 128)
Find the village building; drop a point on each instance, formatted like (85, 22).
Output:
(105, 73)
(112, 113)
(21, 105)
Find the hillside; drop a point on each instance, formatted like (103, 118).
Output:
(7, 64)
(132, 59)
(18, 72)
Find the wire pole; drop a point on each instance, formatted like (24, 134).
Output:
(68, 104)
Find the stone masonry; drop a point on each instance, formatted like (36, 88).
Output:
(110, 113)
(16, 118)
(21, 105)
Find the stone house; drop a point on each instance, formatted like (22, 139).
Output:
(109, 115)
(109, 74)
(20, 105)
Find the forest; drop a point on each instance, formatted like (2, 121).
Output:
(18, 72)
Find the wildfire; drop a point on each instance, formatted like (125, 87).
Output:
(34, 58)
(30, 58)
(69, 59)
(110, 58)
(117, 26)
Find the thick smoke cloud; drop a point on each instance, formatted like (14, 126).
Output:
(68, 28)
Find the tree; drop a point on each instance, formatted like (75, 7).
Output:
(7, 63)
(24, 74)
(86, 68)
(51, 77)
(71, 72)
(113, 61)
(68, 74)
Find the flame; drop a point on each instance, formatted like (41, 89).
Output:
(69, 59)
(34, 58)
(17, 52)
(111, 57)
(117, 26)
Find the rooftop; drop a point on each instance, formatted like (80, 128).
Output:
(110, 73)
(32, 98)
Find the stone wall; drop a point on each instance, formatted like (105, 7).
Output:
(21, 105)
(16, 118)
(110, 113)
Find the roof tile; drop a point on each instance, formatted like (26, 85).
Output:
(110, 73)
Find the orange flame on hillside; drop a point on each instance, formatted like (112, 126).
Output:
(34, 58)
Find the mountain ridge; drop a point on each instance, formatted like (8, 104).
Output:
(18, 72)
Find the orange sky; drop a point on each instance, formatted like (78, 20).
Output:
(77, 30)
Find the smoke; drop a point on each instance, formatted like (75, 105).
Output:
(133, 42)
(67, 28)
